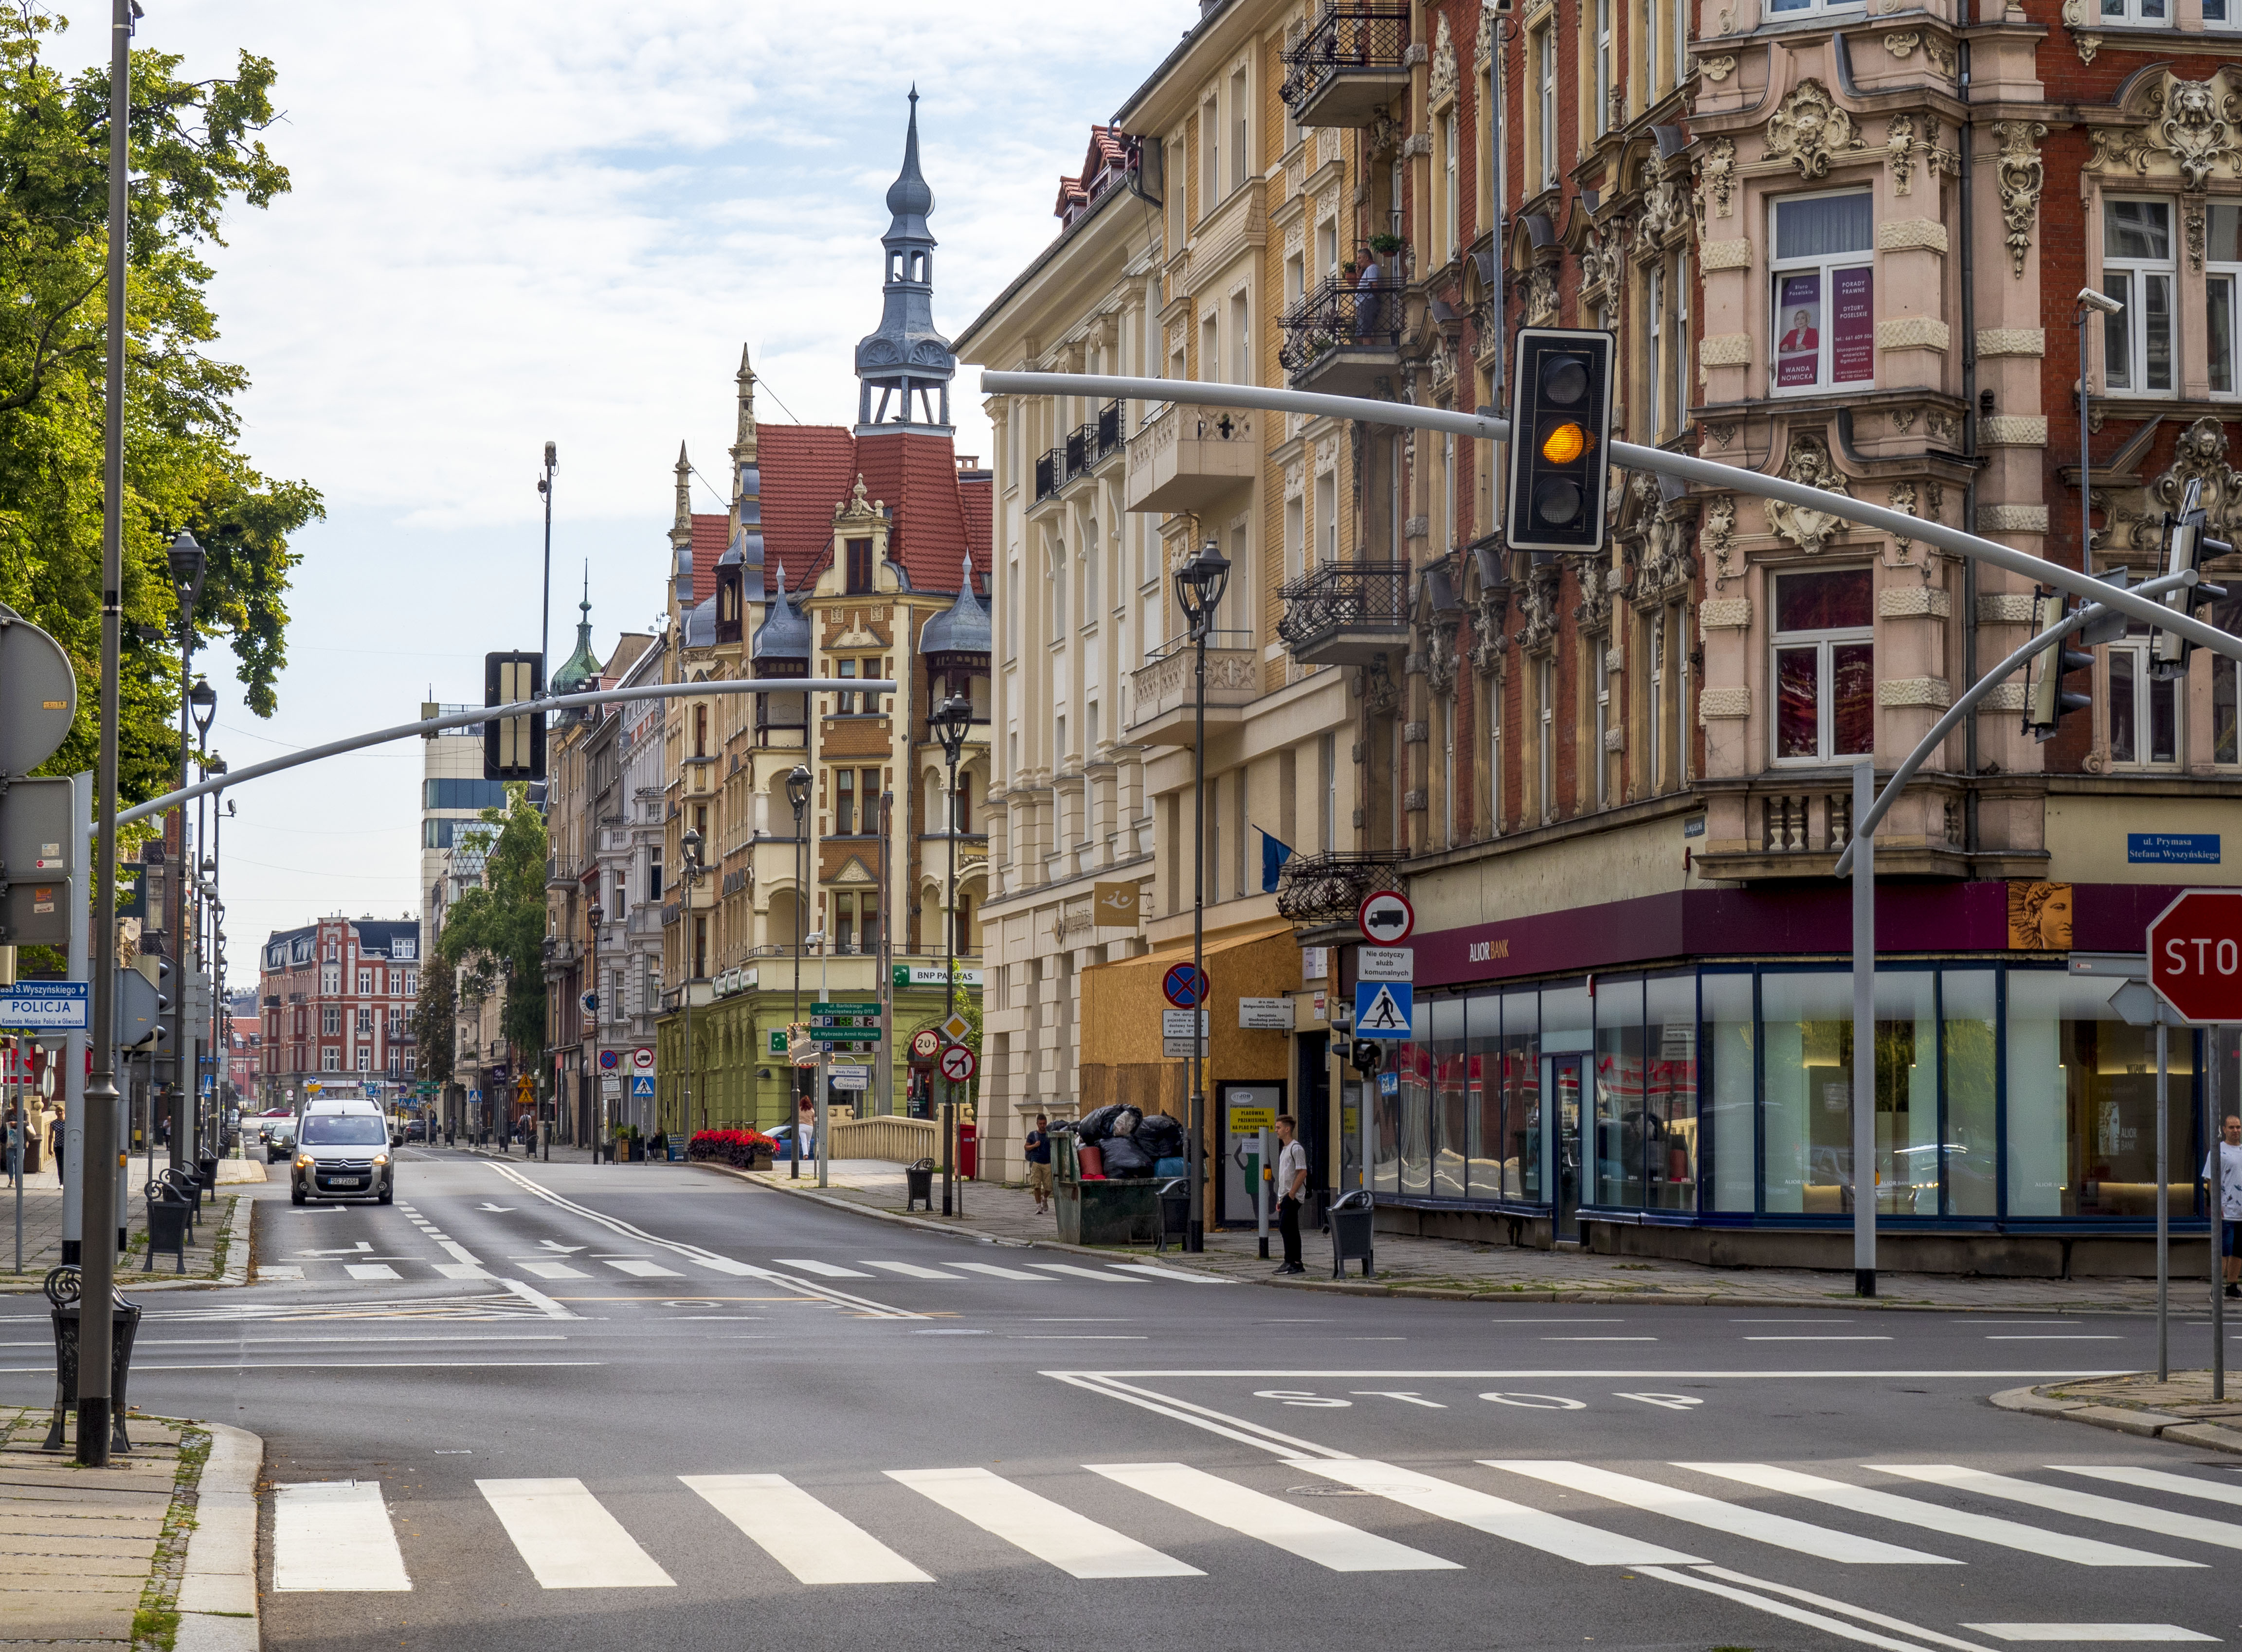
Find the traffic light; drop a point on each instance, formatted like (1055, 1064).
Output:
(1560, 412)
(514, 748)
(2185, 546)
(2046, 702)
(143, 1007)
(1365, 1056)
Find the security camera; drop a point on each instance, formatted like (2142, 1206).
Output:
(2100, 301)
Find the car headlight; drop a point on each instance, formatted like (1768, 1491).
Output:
(303, 1161)
(380, 1159)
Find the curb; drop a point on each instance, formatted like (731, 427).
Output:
(1606, 1296)
(2140, 1422)
(218, 1592)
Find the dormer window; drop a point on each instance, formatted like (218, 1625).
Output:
(860, 566)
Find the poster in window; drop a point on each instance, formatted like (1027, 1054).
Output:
(1852, 326)
(1798, 319)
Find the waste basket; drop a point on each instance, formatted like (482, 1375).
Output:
(1351, 1217)
(1175, 1210)
(209, 1169)
(918, 1185)
(61, 1289)
(168, 1215)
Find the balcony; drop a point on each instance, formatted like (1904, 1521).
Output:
(1351, 63)
(1051, 472)
(1347, 613)
(1081, 450)
(1316, 890)
(1188, 458)
(1108, 429)
(1162, 696)
(1342, 339)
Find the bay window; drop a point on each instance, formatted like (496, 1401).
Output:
(1824, 315)
(1825, 665)
(2138, 270)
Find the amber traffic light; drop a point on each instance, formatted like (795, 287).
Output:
(1560, 439)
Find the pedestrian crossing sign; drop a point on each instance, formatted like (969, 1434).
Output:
(641, 1084)
(1383, 1008)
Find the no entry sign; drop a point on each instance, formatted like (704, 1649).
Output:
(2195, 955)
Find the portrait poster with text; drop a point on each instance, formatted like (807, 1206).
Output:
(1852, 326)
(1798, 330)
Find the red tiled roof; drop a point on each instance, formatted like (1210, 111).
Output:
(809, 469)
(709, 533)
(979, 493)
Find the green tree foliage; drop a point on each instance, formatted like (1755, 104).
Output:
(497, 931)
(197, 148)
(435, 1023)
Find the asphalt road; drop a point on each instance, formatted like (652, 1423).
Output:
(535, 1408)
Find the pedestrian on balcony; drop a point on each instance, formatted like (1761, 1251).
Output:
(1039, 1155)
(1291, 1188)
(1366, 294)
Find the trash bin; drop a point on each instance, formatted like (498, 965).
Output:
(209, 1169)
(1351, 1216)
(168, 1215)
(1175, 1210)
(61, 1289)
(918, 1185)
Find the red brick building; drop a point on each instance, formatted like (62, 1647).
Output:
(337, 998)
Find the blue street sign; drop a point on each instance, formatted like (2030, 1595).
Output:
(42, 1006)
(642, 1083)
(1383, 1008)
(2187, 848)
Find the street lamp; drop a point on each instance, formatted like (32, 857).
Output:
(544, 610)
(951, 722)
(595, 915)
(1199, 585)
(797, 794)
(188, 562)
(690, 844)
(2090, 303)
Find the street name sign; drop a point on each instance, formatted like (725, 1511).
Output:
(40, 1006)
(2195, 955)
(844, 1023)
(1386, 963)
(1385, 918)
(850, 1077)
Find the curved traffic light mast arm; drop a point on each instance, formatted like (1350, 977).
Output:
(2078, 620)
(492, 713)
(1727, 478)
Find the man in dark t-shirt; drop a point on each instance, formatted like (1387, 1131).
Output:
(1039, 1155)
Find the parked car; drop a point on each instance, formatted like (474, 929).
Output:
(783, 1135)
(343, 1151)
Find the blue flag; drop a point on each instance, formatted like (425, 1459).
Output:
(1273, 855)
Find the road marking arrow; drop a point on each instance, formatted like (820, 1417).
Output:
(565, 1250)
(502, 1209)
(347, 1250)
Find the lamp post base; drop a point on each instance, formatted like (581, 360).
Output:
(1865, 1281)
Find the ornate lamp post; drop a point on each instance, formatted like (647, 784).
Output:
(197, 706)
(797, 794)
(690, 844)
(952, 721)
(1199, 585)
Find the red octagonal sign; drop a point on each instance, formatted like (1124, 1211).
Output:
(2195, 955)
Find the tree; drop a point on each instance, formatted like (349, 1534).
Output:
(496, 930)
(196, 149)
(435, 1023)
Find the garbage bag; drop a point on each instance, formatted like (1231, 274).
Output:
(1125, 1121)
(1124, 1158)
(1166, 1168)
(1096, 1126)
(1160, 1136)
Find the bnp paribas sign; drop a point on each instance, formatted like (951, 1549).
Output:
(917, 975)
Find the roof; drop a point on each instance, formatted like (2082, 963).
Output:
(709, 533)
(938, 518)
(964, 628)
(784, 634)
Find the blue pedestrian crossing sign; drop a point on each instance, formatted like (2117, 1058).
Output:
(1382, 1009)
(641, 1083)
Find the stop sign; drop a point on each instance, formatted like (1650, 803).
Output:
(2195, 955)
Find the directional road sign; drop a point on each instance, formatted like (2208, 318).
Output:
(1184, 984)
(957, 1064)
(2195, 955)
(1387, 917)
(1382, 1009)
(850, 1077)
(848, 1022)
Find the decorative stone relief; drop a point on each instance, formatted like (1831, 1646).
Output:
(1379, 692)
(1913, 602)
(1440, 83)
(1941, 55)
(1441, 661)
(1725, 350)
(1414, 733)
(1911, 235)
(2200, 455)
(2012, 430)
(1722, 434)
(1483, 43)
(1615, 740)
(2021, 176)
(1487, 634)
(1903, 419)
(1904, 692)
(1903, 500)
(1912, 333)
(1718, 536)
(1723, 613)
(1716, 179)
(2190, 215)
(1593, 611)
(1664, 207)
(2115, 148)
(1537, 609)
(1810, 131)
(2011, 341)
(1902, 45)
(2197, 128)
(1542, 295)
(1717, 69)
(1723, 704)
(1723, 255)
(1808, 461)
(2012, 519)
(1941, 426)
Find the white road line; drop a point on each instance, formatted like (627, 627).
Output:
(463, 1270)
(264, 1272)
(369, 1271)
(1600, 1339)
(334, 1536)
(912, 1270)
(2087, 1505)
(996, 1273)
(1329, 1543)
(1861, 1612)
(1084, 1272)
(824, 1270)
(539, 1300)
(1076, 1544)
(2088, 1632)
(2217, 1491)
(456, 1250)
(1755, 1524)
(2047, 1336)
(554, 1271)
(1909, 1511)
(1154, 1271)
(646, 1270)
(1820, 1620)
(1806, 1339)
(800, 1533)
(1496, 1516)
(567, 1539)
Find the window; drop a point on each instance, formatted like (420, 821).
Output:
(1654, 759)
(2137, 271)
(2225, 690)
(331, 1059)
(1327, 755)
(1445, 506)
(1241, 333)
(1295, 535)
(1239, 111)
(1057, 593)
(1210, 157)
(1012, 611)
(1824, 294)
(2153, 12)
(654, 877)
(365, 1057)
(1600, 647)
(1825, 658)
(844, 803)
(2143, 710)
(1803, 8)
(1679, 25)
(845, 923)
(330, 979)
(1448, 767)
(1452, 199)
(1327, 516)
(365, 981)
(1678, 356)
(365, 1019)
(860, 565)
(1296, 278)
(1654, 300)
(1602, 120)
(2214, 13)
(330, 1019)
(1545, 694)
(1327, 239)
(2224, 261)
(1545, 59)
(1092, 588)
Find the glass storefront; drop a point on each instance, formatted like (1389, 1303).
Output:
(1725, 1093)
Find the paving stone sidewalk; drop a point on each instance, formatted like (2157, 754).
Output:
(2179, 1409)
(1444, 1269)
(217, 1253)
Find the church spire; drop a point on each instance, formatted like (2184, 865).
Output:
(906, 360)
(680, 536)
(743, 440)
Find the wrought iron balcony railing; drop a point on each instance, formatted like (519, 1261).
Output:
(1081, 450)
(1109, 428)
(1346, 613)
(1353, 60)
(1330, 888)
(1050, 471)
(1341, 314)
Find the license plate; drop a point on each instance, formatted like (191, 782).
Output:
(346, 1181)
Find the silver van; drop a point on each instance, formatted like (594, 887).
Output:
(342, 1152)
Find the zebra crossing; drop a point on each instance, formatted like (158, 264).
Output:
(585, 1267)
(343, 1537)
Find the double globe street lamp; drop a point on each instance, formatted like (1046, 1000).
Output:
(1199, 584)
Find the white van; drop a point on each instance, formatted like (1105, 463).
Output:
(342, 1152)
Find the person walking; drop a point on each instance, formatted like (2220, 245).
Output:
(1291, 1188)
(1038, 1157)
(2222, 1168)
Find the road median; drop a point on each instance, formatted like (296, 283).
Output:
(2179, 1410)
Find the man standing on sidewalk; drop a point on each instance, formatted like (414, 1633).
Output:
(1291, 1188)
(1038, 1151)
(2222, 1170)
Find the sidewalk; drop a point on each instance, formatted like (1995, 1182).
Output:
(2180, 1410)
(217, 1253)
(1445, 1268)
(157, 1549)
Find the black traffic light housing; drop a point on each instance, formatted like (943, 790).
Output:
(514, 748)
(2046, 702)
(1560, 413)
(2186, 546)
(1366, 1056)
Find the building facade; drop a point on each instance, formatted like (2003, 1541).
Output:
(337, 1000)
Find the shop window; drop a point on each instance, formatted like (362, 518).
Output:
(1825, 665)
(1617, 1140)
(1522, 1101)
(1448, 1126)
(2082, 1137)
(2138, 270)
(1969, 1019)
(2141, 719)
(1727, 1118)
(1824, 318)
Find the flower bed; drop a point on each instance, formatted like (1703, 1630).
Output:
(740, 1149)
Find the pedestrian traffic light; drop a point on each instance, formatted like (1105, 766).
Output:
(2046, 702)
(1365, 1055)
(514, 748)
(1560, 439)
(2185, 546)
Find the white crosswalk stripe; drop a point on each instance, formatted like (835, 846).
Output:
(335, 1536)
(566, 1537)
(1099, 1273)
(1497, 1516)
(823, 1270)
(371, 1271)
(1300, 1531)
(1076, 1544)
(2157, 1480)
(996, 1272)
(911, 1270)
(2061, 1500)
(639, 1269)
(553, 1270)
(800, 1534)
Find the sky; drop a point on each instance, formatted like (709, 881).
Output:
(516, 223)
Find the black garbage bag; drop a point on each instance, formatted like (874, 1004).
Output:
(1093, 1127)
(1125, 1122)
(1124, 1158)
(1160, 1136)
